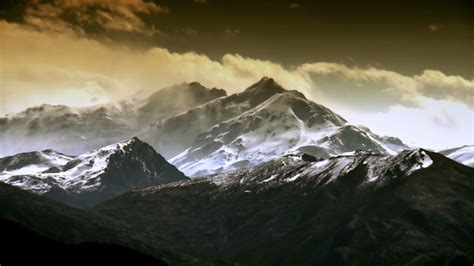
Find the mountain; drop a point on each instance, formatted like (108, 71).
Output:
(275, 122)
(35, 227)
(78, 130)
(201, 130)
(176, 99)
(176, 133)
(359, 208)
(37, 161)
(463, 154)
(69, 130)
(92, 177)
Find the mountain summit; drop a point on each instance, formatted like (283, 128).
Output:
(92, 177)
(274, 122)
(262, 90)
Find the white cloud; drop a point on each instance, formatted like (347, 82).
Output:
(436, 124)
(388, 86)
(437, 85)
(63, 68)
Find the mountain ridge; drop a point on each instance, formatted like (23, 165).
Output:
(359, 208)
(175, 119)
(95, 176)
(286, 121)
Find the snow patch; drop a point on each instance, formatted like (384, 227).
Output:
(270, 178)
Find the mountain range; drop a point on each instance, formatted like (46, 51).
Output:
(192, 125)
(190, 175)
(89, 178)
(358, 208)
(414, 208)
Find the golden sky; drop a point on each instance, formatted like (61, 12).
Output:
(50, 54)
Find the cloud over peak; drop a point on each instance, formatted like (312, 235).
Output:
(60, 62)
(386, 88)
(63, 68)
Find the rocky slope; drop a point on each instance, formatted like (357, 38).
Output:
(202, 131)
(91, 177)
(188, 123)
(34, 227)
(176, 133)
(281, 121)
(360, 208)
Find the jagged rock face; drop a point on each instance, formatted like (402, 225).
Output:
(92, 177)
(357, 209)
(285, 122)
(176, 133)
(138, 165)
(372, 168)
(201, 130)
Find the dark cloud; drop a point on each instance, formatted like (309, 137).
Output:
(404, 36)
(80, 17)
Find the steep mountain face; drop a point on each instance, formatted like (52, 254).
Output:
(201, 130)
(78, 130)
(285, 122)
(358, 208)
(176, 133)
(37, 226)
(91, 177)
(463, 154)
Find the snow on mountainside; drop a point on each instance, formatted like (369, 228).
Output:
(176, 133)
(464, 154)
(370, 168)
(358, 208)
(91, 177)
(202, 130)
(78, 130)
(285, 122)
(14, 168)
(42, 160)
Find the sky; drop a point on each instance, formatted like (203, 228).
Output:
(401, 68)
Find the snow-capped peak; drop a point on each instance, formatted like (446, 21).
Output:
(35, 162)
(285, 123)
(114, 168)
(94, 163)
(362, 168)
